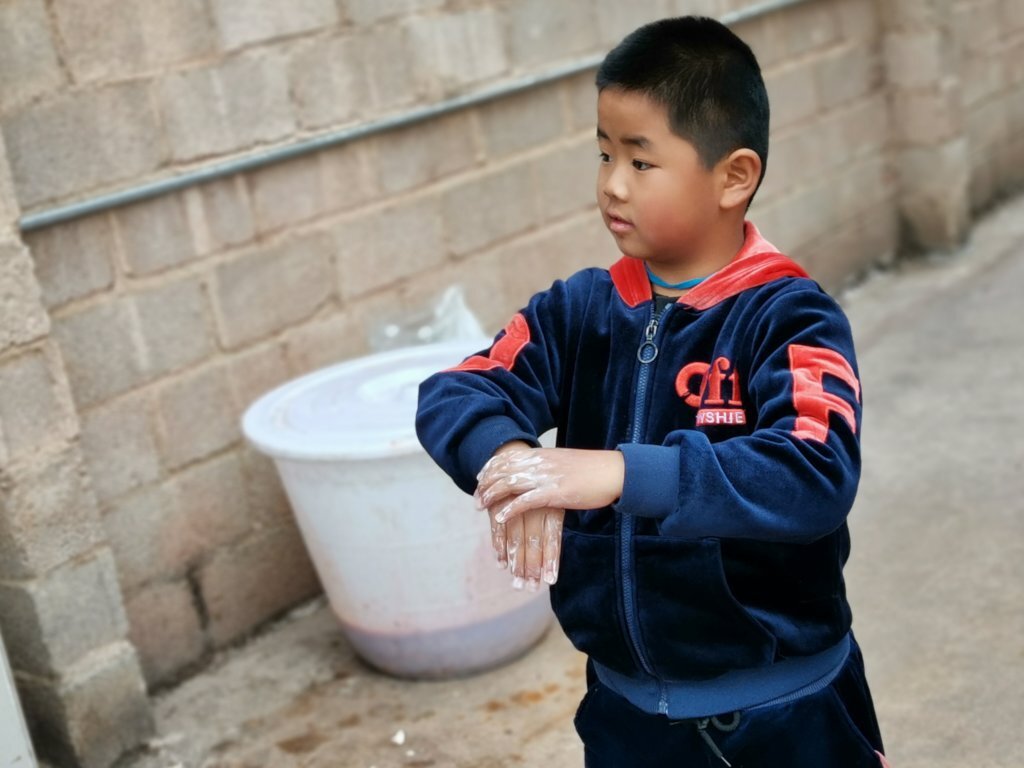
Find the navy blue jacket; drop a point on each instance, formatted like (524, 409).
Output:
(737, 411)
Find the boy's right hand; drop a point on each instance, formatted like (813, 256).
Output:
(530, 545)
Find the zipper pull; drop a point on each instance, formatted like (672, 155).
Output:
(648, 349)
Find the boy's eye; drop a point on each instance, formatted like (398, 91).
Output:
(640, 165)
(605, 158)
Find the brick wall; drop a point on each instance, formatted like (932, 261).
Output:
(170, 316)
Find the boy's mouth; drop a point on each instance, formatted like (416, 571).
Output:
(619, 225)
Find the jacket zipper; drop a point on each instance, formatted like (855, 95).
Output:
(646, 354)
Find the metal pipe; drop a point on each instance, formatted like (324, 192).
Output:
(98, 203)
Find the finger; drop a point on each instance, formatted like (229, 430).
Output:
(514, 532)
(537, 498)
(499, 541)
(506, 487)
(552, 543)
(533, 530)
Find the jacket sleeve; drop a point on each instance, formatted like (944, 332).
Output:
(794, 477)
(510, 391)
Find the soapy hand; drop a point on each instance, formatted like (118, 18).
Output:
(519, 478)
(530, 546)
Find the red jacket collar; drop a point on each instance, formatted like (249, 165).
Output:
(758, 262)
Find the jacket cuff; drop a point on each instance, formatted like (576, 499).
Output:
(651, 485)
(487, 436)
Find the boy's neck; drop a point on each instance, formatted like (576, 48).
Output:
(716, 252)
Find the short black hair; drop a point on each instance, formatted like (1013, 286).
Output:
(705, 76)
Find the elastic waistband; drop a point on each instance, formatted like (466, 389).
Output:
(784, 680)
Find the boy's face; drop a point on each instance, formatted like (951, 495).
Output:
(656, 197)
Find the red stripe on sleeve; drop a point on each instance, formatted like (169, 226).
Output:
(505, 350)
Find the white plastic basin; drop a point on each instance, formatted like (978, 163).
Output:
(403, 555)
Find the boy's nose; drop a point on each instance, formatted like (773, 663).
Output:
(614, 187)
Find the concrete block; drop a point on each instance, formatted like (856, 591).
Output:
(52, 622)
(1011, 16)
(219, 214)
(367, 12)
(480, 277)
(328, 82)
(792, 93)
(389, 69)
(978, 27)
(805, 28)
(22, 318)
(93, 716)
(28, 58)
(935, 202)
(268, 503)
(212, 503)
(244, 22)
(615, 20)
(863, 185)
(532, 263)
(987, 125)
(860, 21)
(566, 177)
(254, 581)
(154, 235)
(457, 49)
(926, 117)
(713, 8)
(119, 446)
(148, 537)
(165, 630)
(914, 59)
(522, 122)
(257, 98)
(286, 193)
(148, 35)
(911, 14)
(255, 371)
(48, 516)
(425, 153)
(762, 35)
(381, 246)
(1009, 166)
(324, 342)
(173, 325)
(845, 74)
(541, 32)
(79, 140)
(1013, 62)
(10, 211)
(73, 260)
(981, 187)
(268, 289)
(347, 178)
(233, 106)
(35, 410)
(866, 127)
(981, 78)
(103, 351)
(581, 95)
(195, 417)
(487, 207)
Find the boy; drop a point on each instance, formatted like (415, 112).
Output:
(708, 410)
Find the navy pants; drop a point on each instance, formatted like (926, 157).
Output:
(834, 728)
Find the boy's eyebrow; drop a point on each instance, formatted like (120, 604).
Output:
(637, 141)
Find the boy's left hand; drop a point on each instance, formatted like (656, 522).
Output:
(522, 479)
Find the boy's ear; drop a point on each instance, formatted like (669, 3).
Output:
(739, 173)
